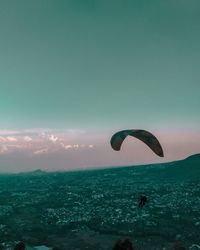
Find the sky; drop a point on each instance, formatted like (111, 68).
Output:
(73, 72)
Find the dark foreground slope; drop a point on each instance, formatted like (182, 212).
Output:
(92, 209)
(188, 168)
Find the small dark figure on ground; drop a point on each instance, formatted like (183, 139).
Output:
(143, 200)
(123, 245)
(20, 246)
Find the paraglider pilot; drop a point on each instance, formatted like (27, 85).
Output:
(143, 200)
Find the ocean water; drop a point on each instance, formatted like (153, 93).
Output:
(93, 209)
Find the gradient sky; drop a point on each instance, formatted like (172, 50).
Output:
(80, 70)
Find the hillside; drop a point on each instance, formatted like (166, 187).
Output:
(188, 168)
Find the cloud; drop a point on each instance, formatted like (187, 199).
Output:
(53, 138)
(41, 151)
(40, 141)
(11, 139)
(27, 138)
(68, 146)
(2, 139)
(9, 132)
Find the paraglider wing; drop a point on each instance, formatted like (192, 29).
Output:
(118, 138)
(143, 135)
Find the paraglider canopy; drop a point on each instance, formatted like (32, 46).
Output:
(143, 135)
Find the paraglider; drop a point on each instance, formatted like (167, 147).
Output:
(143, 135)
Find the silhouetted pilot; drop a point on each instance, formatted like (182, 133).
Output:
(143, 200)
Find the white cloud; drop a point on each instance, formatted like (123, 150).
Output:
(41, 151)
(53, 138)
(68, 146)
(27, 138)
(40, 141)
(11, 139)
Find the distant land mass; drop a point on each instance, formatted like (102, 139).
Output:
(188, 167)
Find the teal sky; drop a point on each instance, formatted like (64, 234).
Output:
(73, 72)
(110, 63)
